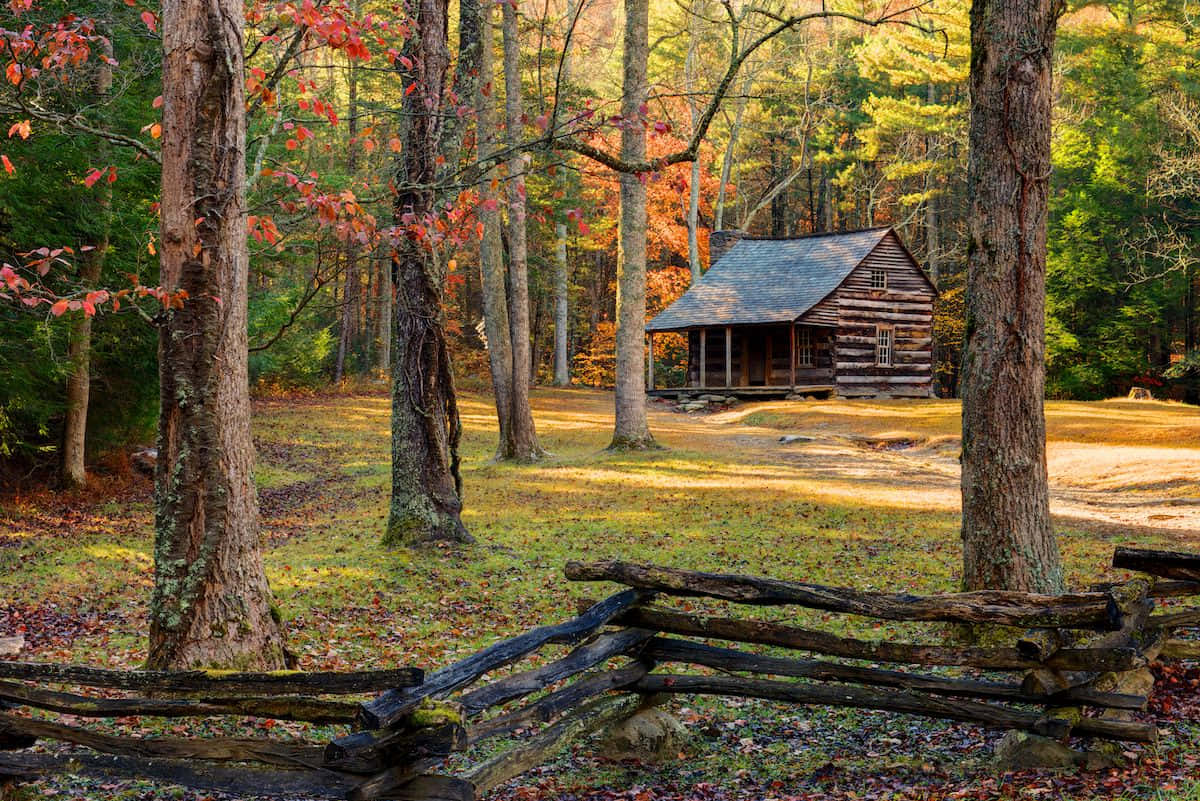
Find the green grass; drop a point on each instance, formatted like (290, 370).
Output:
(718, 498)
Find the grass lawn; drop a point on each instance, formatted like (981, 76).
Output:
(869, 501)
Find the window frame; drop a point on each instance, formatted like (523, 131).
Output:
(806, 354)
(885, 352)
(881, 272)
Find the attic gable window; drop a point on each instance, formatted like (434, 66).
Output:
(878, 278)
(883, 346)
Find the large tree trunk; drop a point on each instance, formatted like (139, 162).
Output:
(631, 429)
(491, 256)
(211, 603)
(525, 445)
(1007, 538)
(79, 343)
(426, 503)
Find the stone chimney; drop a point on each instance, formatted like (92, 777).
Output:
(719, 243)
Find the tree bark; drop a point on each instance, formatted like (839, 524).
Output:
(1008, 542)
(351, 297)
(735, 131)
(631, 429)
(689, 79)
(562, 366)
(562, 356)
(493, 278)
(426, 503)
(79, 342)
(386, 293)
(524, 442)
(211, 603)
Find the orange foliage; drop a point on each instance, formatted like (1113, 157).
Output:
(595, 366)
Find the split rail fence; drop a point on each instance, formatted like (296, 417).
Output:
(1070, 654)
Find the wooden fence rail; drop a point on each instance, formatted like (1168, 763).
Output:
(1068, 653)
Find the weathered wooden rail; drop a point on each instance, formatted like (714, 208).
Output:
(1064, 663)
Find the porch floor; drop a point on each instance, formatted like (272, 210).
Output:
(743, 392)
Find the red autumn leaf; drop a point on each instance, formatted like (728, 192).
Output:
(151, 20)
(22, 129)
(8, 167)
(59, 308)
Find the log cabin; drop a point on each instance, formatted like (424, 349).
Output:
(846, 314)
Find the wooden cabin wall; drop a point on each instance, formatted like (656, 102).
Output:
(906, 305)
(714, 368)
(821, 373)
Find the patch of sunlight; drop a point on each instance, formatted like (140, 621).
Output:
(269, 477)
(118, 553)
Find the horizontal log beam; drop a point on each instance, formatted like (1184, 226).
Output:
(907, 701)
(682, 651)
(1181, 649)
(920, 297)
(1080, 610)
(217, 749)
(312, 710)
(389, 708)
(1176, 619)
(182, 772)
(1167, 564)
(884, 379)
(767, 633)
(215, 682)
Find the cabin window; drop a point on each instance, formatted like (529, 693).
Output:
(883, 347)
(804, 347)
(878, 278)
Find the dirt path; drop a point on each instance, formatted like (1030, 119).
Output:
(1109, 490)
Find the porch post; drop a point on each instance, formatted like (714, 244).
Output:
(650, 360)
(703, 354)
(728, 356)
(793, 360)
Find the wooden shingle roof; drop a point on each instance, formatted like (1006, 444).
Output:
(769, 280)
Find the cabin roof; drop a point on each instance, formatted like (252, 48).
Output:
(766, 280)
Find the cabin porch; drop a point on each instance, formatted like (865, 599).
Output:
(755, 360)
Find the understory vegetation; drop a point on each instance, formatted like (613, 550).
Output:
(867, 501)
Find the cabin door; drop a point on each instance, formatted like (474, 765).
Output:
(756, 357)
